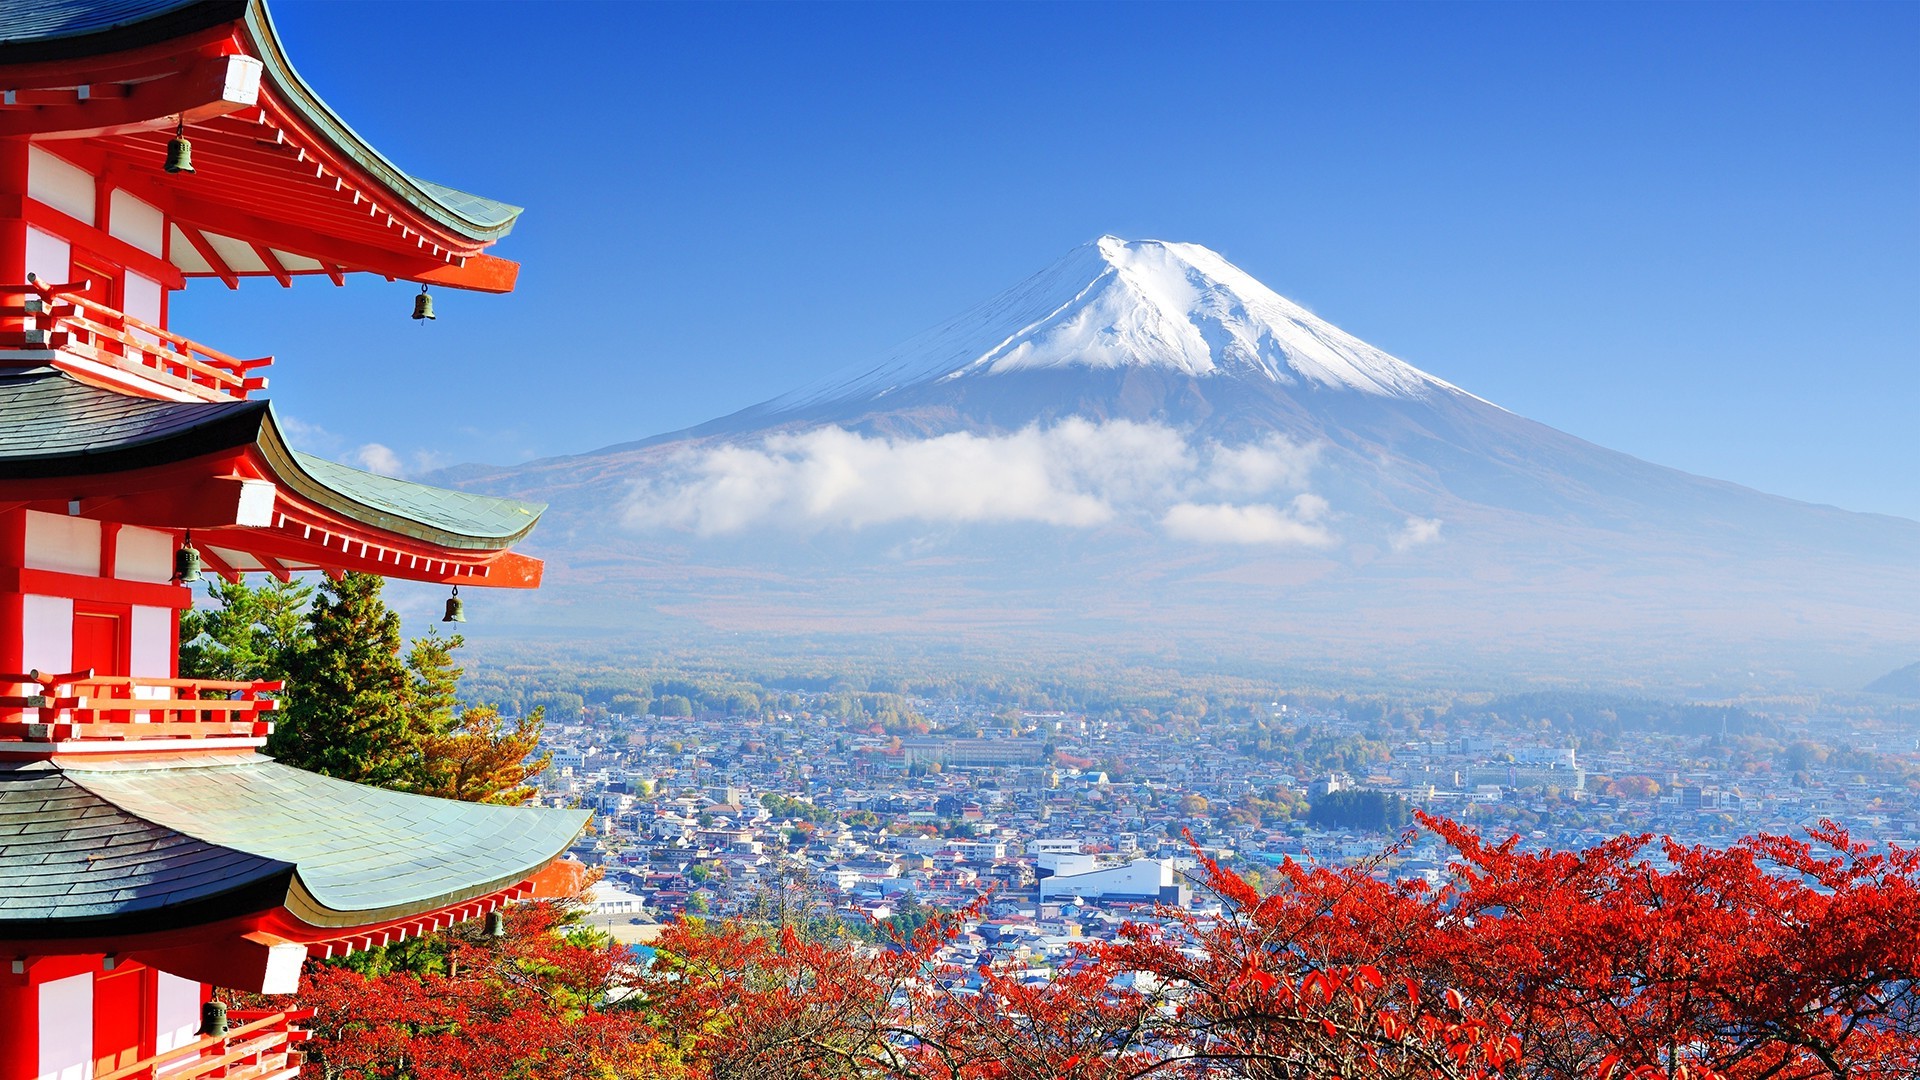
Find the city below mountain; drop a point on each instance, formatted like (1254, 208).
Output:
(1144, 452)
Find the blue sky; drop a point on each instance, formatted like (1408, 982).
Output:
(1690, 232)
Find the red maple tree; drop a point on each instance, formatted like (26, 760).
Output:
(1775, 959)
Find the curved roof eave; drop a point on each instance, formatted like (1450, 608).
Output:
(475, 217)
(53, 425)
(43, 30)
(193, 838)
(440, 516)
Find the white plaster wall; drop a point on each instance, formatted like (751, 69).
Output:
(48, 634)
(67, 544)
(176, 1012)
(63, 186)
(66, 1028)
(150, 652)
(143, 555)
(137, 222)
(140, 298)
(237, 254)
(49, 257)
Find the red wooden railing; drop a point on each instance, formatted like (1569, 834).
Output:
(259, 1046)
(38, 315)
(82, 705)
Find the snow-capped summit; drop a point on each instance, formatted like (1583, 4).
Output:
(1142, 446)
(1114, 304)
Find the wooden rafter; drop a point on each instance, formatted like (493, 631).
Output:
(272, 262)
(209, 253)
(219, 565)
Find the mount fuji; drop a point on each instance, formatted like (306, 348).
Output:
(1143, 451)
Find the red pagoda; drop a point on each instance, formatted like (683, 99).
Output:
(149, 852)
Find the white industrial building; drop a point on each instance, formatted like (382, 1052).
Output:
(1065, 874)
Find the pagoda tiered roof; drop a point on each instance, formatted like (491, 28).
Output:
(282, 185)
(157, 843)
(224, 469)
(138, 822)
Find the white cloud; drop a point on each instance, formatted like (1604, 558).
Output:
(378, 458)
(1077, 473)
(1070, 474)
(1275, 463)
(306, 433)
(374, 457)
(1415, 532)
(1299, 524)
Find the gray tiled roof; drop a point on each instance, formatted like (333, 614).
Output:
(66, 853)
(48, 419)
(23, 21)
(90, 841)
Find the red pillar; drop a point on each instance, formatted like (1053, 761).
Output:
(121, 1012)
(13, 222)
(19, 1025)
(13, 611)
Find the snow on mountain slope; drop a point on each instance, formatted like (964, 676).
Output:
(1114, 304)
(1142, 444)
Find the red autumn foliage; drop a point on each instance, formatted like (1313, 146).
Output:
(530, 1006)
(1775, 959)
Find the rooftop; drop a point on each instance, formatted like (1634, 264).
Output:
(92, 846)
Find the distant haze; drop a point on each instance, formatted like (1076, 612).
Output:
(1143, 449)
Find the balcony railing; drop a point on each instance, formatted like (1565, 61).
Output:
(259, 1046)
(45, 708)
(38, 316)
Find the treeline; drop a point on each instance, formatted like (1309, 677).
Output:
(1612, 714)
(1362, 810)
(1312, 749)
(864, 693)
(1146, 702)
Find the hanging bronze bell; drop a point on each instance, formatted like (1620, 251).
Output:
(496, 924)
(423, 304)
(179, 155)
(213, 1019)
(186, 563)
(456, 607)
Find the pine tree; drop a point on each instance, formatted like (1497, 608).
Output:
(355, 709)
(250, 633)
(433, 679)
(350, 700)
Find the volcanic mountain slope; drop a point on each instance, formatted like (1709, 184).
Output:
(1143, 448)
